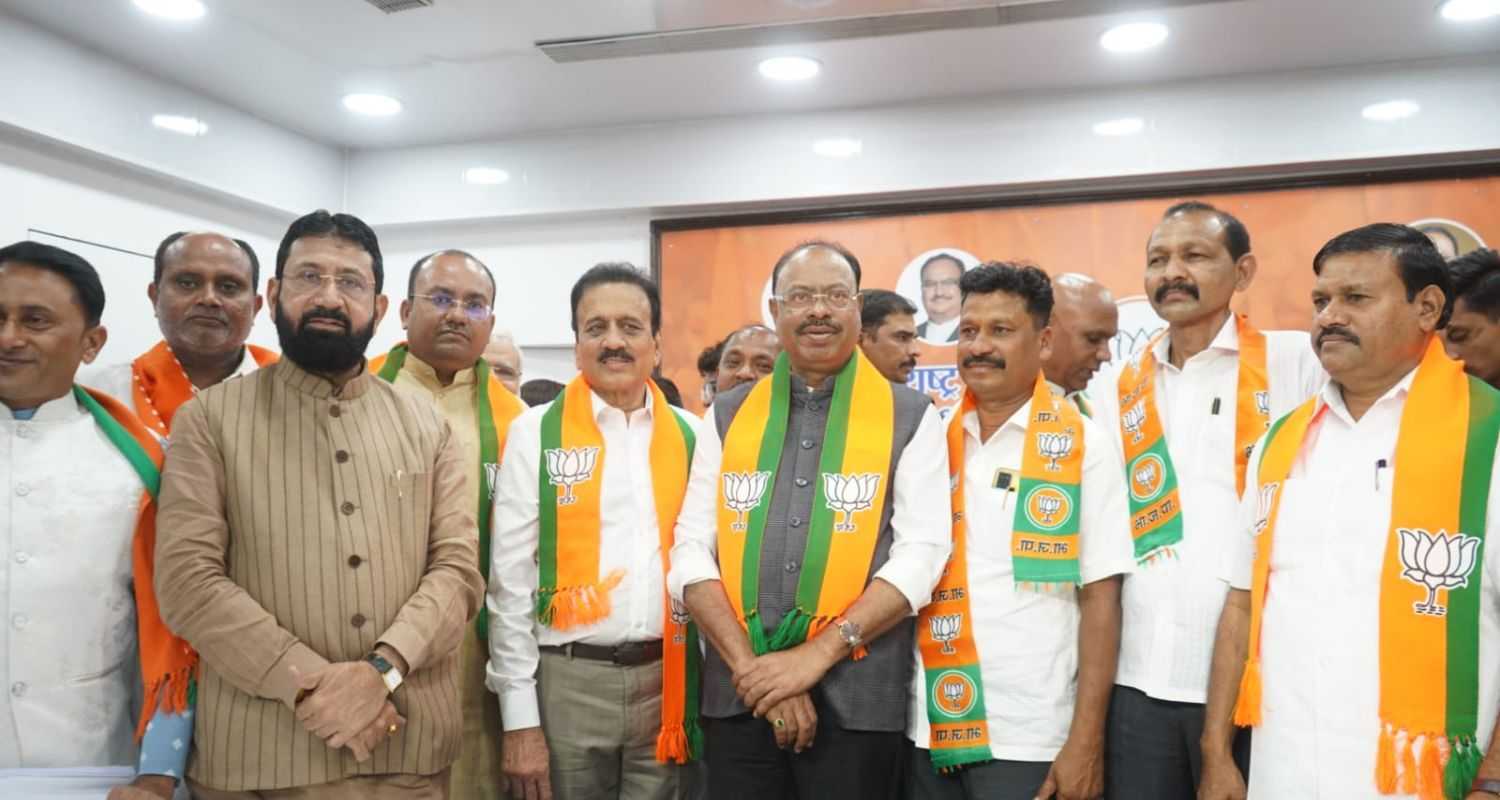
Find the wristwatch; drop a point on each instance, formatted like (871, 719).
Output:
(849, 632)
(1486, 785)
(388, 672)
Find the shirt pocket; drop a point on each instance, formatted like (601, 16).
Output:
(408, 506)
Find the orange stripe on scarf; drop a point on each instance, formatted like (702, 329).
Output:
(159, 386)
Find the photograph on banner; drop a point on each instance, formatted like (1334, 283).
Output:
(1451, 237)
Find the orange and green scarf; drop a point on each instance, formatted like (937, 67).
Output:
(168, 664)
(1044, 553)
(570, 591)
(1434, 552)
(848, 499)
(494, 408)
(1155, 509)
(159, 385)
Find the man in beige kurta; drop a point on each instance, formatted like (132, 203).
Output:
(316, 545)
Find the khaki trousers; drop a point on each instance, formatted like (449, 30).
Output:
(476, 773)
(601, 722)
(364, 787)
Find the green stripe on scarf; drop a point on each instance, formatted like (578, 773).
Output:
(690, 721)
(122, 440)
(755, 530)
(547, 515)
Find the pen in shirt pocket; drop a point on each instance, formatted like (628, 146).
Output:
(400, 473)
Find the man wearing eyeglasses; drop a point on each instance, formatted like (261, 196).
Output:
(940, 276)
(448, 315)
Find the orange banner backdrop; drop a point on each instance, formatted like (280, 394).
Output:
(715, 279)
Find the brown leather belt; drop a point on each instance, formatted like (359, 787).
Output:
(629, 654)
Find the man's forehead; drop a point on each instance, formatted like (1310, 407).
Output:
(1357, 270)
(456, 274)
(47, 289)
(1187, 226)
(817, 265)
(334, 251)
(755, 337)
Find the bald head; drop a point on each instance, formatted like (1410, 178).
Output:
(1084, 320)
(204, 295)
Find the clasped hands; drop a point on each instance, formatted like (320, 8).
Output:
(775, 687)
(346, 705)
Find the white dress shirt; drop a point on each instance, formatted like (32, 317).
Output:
(1170, 608)
(940, 331)
(1028, 640)
(920, 518)
(118, 381)
(68, 502)
(629, 541)
(1320, 636)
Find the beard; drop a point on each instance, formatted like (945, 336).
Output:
(320, 351)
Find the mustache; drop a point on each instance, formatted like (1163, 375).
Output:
(973, 361)
(1338, 331)
(624, 355)
(820, 325)
(909, 363)
(1179, 285)
(331, 314)
(215, 316)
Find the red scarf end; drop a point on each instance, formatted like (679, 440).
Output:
(672, 745)
(168, 693)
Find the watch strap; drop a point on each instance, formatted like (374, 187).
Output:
(1487, 785)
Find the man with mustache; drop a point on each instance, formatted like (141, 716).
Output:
(205, 292)
(317, 549)
(816, 524)
(1358, 636)
(1084, 322)
(888, 333)
(747, 355)
(448, 314)
(595, 668)
(1016, 653)
(84, 638)
(1473, 334)
(940, 275)
(1187, 409)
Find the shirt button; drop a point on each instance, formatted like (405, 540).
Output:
(796, 522)
(791, 566)
(22, 490)
(807, 444)
(341, 456)
(21, 558)
(347, 508)
(19, 621)
(355, 561)
(18, 688)
(333, 411)
(814, 407)
(24, 431)
(358, 620)
(801, 482)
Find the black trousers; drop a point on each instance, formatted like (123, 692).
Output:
(992, 780)
(744, 763)
(1153, 751)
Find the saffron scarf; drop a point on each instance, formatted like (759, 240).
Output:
(159, 385)
(1155, 509)
(848, 499)
(1434, 552)
(1044, 550)
(168, 664)
(494, 409)
(570, 591)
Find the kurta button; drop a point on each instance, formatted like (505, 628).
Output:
(355, 561)
(22, 490)
(333, 411)
(347, 508)
(791, 566)
(358, 620)
(19, 621)
(814, 407)
(341, 456)
(21, 558)
(23, 431)
(801, 482)
(18, 688)
(807, 444)
(796, 522)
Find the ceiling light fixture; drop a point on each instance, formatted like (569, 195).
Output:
(486, 176)
(790, 68)
(842, 147)
(187, 126)
(172, 9)
(1124, 126)
(374, 105)
(1469, 10)
(1390, 110)
(1133, 37)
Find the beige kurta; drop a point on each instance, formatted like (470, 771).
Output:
(301, 524)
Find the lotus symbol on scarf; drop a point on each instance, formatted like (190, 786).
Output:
(568, 467)
(680, 614)
(945, 628)
(742, 493)
(1054, 446)
(1049, 505)
(1134, 419)
(1263, 403)
(954, 693)
(1264, 504)
(1145, 473)
(1436, 561)
(849, 493)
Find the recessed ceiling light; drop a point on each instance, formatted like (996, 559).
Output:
(842, 147)
(1124, 126)
(485, 176)
(1390, 110)
(187, 126)
(1133, 37)
(790, 68)
(1470, 10)
(374, 105)
(172, 9)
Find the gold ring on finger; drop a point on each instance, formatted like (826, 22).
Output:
(392, 729)
(779, 722)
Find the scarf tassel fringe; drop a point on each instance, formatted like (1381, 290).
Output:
(679, 744)
(1431, 767)
(1247, 707)
(795, 628)
(575, 606)
(173, 693)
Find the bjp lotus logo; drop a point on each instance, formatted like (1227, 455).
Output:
(954, 694)
(848, 494)
(1147, 477)
(1048, 507)
(1134, 419)
(1263, 505)
(1440, 561)
(944, 629)
(680, 614)
(1263, 403)
(742, 493)
(1054, 446)
(492, 477)
(568, 467)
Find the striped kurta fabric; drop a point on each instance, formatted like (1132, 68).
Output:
(302, 524)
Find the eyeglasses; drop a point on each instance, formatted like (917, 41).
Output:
(945, 283)
(308, 281)
(802, 299)
(475, 310)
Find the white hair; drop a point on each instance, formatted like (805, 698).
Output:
(503, 336)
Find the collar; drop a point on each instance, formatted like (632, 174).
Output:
(1227, 339)
(58, 409)
(603, 409)
(296, 377)
(427, 376)
(1331, 396)
(1017, 420)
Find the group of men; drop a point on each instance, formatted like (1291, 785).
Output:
(1253, 565)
